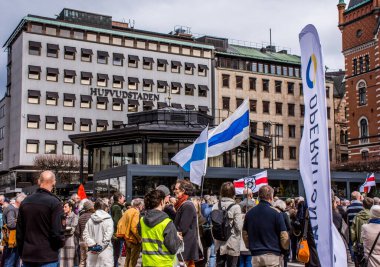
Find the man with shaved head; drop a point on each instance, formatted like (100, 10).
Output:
(40, 232)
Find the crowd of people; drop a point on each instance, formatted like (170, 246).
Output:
(176, 229)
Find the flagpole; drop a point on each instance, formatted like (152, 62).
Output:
(249, 163)
(203, 178)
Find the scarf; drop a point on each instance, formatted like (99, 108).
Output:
(377, 221)
(180, 201)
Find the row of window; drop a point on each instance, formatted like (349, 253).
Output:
(102, 57)
(32, 146)
(363, 65)
(279, 152)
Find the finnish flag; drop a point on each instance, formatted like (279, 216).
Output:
(193, 158)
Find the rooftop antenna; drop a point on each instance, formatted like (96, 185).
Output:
(270, 37)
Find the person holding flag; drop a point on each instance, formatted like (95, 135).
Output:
(369, 182)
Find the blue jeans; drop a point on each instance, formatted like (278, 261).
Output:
(49, 264)
(117, 248)
(245, 261)
(212, 258)
(11, 257)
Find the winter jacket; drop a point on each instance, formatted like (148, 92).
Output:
(39, 227)
(368, 235)
(231, 247)
(10, 216)
(116, 213)
(361, 218)
(130, 220)
(83, 219)
(99, 231)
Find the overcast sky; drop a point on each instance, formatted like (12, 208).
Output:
(246, 20)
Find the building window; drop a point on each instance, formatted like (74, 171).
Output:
(51, 122)
(102, 80)
(329, 133)
(34, 48)
(254, 66)
(328, 113)
(267, 129)
(162, 86)
(285, 71)
(133, 61)
(297, 72)
(69, 52)
(67, 148)
(117, 59)
(280, 152)
(239, 101)
(279, 130)
(278, 108)
(189, 68)
(253, 127)
(69, 100)
(176, 66)
(117, 125)
(2, 155)
(33, 121)
(366, 58)
(101, 125)
(2, 132)
(302, 109)
(252, 83)
(202, 90)
(68, 124)
(2, 111)
(202, 70)
(301, 88)
(226, 103)
(34, 96)
(52, 50)
(355, 66)
(365, 155)
(148, 63)
(148, 105)
(292, 152)
(363, 124)
(327, 92)
(291, 110)
(148, 85)
(277, 86)
(50, 147)
(102, 102)
(290, 88)
(117, 104)
(291, 71)
(362, 88)
(52, 74)
(133, 83)
(292, 131)
(361, 65)
(85, 125)
(226, 80)
(267, 150)
(265, 85)
(260, 67)
(252, 105)
(69, 76)
(86, 78)
(117, 81)
(34, 72)
(161, 64)
(102, 57)
(239, 82)
(85, 101)
(86, 55)
(52, 98)
(189, 89)
(266, 107)
(133, 105)
(278, 70)
(32, 146)
(176, 88)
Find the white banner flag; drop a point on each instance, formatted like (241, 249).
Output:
(314, 152)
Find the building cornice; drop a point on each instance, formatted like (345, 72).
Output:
(359, 48)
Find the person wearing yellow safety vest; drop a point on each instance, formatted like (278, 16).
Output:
(160, 239)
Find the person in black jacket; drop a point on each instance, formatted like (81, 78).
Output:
(40, 232)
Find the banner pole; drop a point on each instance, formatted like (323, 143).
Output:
(203, 179)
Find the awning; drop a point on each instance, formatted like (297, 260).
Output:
(51, 142)
(101, 122)
(190, 86)
(51, 119)
(148, 60)
(86, 121)
(133, 102)
(202, 67)
(118, 78)
(203, 87)
(177, 105)
(34, 44)
(52, 71)
(118, 55)
(133, 58)
(133, 80)
(85, 74)
(52, 95)
(176, 63)
(175, 84)
(162, 61)
(148, 104)
(102, 99)
(34, 93)
(117, 123)
(70, 73)
(68, 143)
(54, 47)
(203, 108)
(87, 52)
(32, 141)
(189, 65)
(70, 49)
(118, 101)
(86, 98)
(68, 120)
(162, 83)
(34, 68)
(190, 107)
(162, 105)
(102, 76)
(69, 97)
(34, 118)
(148, 82)
(103, 54)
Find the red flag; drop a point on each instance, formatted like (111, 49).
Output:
(81, 192)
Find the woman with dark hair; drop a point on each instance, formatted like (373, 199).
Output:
(228, 252)
(67, 253)
(97, 235)
(186, 222)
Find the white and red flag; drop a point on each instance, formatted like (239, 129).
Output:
(369, 182)
(253, 182)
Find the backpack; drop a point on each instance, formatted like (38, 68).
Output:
(221, 228)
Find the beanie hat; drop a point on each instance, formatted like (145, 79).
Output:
(88, 205)
(375, 211)
(164, 189)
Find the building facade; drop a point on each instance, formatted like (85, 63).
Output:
(359, 24)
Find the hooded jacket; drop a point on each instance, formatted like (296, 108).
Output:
(171, 240)
(361, 218)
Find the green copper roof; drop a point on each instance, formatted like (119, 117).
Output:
(341, 2)
(110, 31)
(356, 3)
(255, 53)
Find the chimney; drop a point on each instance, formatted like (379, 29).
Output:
(341, 9)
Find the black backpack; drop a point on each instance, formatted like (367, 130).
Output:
(221, 227)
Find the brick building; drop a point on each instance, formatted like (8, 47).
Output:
(359, 23)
